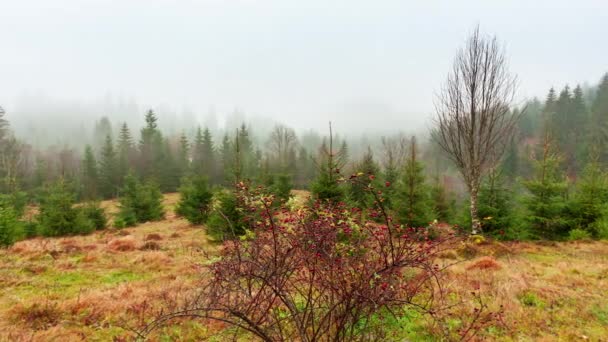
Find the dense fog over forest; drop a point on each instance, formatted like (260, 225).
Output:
(370, 69)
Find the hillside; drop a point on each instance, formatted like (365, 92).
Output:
(92, 287)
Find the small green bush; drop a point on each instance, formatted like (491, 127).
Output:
(579, 234)
(529, 298)
(227, 220)
(195, 201)
(11, 229)
(139, 203)
(96, 214)
(58, 216)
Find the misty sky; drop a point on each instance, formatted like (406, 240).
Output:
(363, 64)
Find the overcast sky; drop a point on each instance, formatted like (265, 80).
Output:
(301, 62)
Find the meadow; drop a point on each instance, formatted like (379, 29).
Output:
(99, 286)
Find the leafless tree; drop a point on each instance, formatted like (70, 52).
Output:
(283, 140)
(394, 151)
(473, 115)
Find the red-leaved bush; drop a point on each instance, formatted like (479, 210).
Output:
(319, 274)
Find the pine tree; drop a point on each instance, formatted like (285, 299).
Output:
(227, 160)
(183, 156)
(494, 204)
(90, 177)
(281, 188)
(442, 206)
(209, 167)
(367, 170)
(150, 147)
(4, 127)
(126, 152)
(329, 163)
(412, 202)
(168, 170)
(227, 219)
(11, 229)
(546, 200)
(139, 203)
(108, 170)
(510, 163)
(198, 153)
(563, 130)
(589, 201)
(58, 215)
(103, 128)
(599, 119)
(304, 168)
(195, 201)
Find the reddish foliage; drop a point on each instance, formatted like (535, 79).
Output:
(153, 237)
(320, 273)
(486, 263)
(122, 245)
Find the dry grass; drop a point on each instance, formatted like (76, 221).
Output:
(86, 287)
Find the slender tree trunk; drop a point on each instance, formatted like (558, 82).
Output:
(475, 223)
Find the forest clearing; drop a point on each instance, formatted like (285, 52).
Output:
(307, 171)
(93, 287)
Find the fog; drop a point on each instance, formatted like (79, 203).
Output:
(369, 66)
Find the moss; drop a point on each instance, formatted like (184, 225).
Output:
(121, 276)
(529, 298)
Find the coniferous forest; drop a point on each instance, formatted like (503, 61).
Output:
(489, 224)
(550, 183)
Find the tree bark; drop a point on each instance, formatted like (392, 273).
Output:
(475, 223)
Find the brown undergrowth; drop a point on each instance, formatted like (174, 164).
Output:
(80, 288)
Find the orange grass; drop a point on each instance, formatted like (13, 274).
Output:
(88, 287)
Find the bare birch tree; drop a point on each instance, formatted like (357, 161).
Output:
(473, 116)
(283, 140)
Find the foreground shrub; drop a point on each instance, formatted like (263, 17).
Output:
(321, 273)
(195, 201)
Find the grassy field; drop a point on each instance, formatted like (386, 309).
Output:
(92, 287)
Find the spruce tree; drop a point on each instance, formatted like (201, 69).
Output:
(367, 171)
(304, 168)
(329, 163)
(441, 204)
(11, 228)
(227, 160)
(209, 167)
(103, 128)
(227, 220)
(150, 147)
(183, 156)
(58, 215)
(195, 200)
(198, 153)
(495, 204)
(108, 170)
(412, 203)
(510, 163)
(588, 204)
(126, 152)
(139, 202)
(90, 177)
(546, 203)
(168, 170)
(4, 127)
(599, 119)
